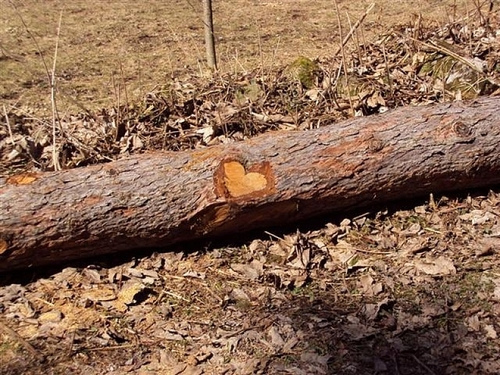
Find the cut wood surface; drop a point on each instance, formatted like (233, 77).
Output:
(161, 198)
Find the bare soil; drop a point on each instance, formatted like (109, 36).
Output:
(413, 288)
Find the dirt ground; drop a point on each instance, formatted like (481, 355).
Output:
(411, 288)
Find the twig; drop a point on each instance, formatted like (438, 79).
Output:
(176, 296)
(125, 92)
(183, 278)
(363, 40)
(374, 252)
(360, 216)
(490, 12)
(453, 20)
(275, 51)
(353, 29)
(432, 230)
(32, 37)
(478, 6)
(106, 348)
(389, 79)
(44, 301)
(451, 209)
(72, 343)
(344, 64)
(55, 113)
(243, 330)
(117, 97)
(355, 36)
(237, 60)
(50, 77)
(423, 365)
(261, 55)
(446, 51)
(273, 235)
(8, 126)
(22, 341)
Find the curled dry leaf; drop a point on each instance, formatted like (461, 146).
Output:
(369, 286)
(276, 339)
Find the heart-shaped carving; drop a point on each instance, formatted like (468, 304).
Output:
(239, 183)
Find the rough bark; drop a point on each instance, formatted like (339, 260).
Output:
(157, 199)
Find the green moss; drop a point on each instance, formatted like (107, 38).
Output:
(251, 92)
(304, 70)
(353, 86)
(243, 304)
(454, 76)
(307, 291)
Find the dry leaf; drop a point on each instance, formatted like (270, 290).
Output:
(491, 333)
(99, 294)
(50, 316)
(276, 339)
(127, 294)
(253, 271)
(477, 217)
(436, 266)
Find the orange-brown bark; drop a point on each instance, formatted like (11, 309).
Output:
(158, 199)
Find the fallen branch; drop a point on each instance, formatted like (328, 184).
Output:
(157, 199)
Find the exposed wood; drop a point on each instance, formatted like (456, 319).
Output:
(158, 199)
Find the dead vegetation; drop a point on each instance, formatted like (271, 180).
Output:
(408, 290)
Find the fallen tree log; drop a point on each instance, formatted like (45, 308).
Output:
(161, 198)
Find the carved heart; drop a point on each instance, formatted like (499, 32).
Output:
(239, 183)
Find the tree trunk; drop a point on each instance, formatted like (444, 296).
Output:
(161, 198)
(209, 34)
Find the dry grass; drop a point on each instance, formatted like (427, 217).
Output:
(138, 45)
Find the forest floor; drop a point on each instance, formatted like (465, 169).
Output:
(411, 288)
